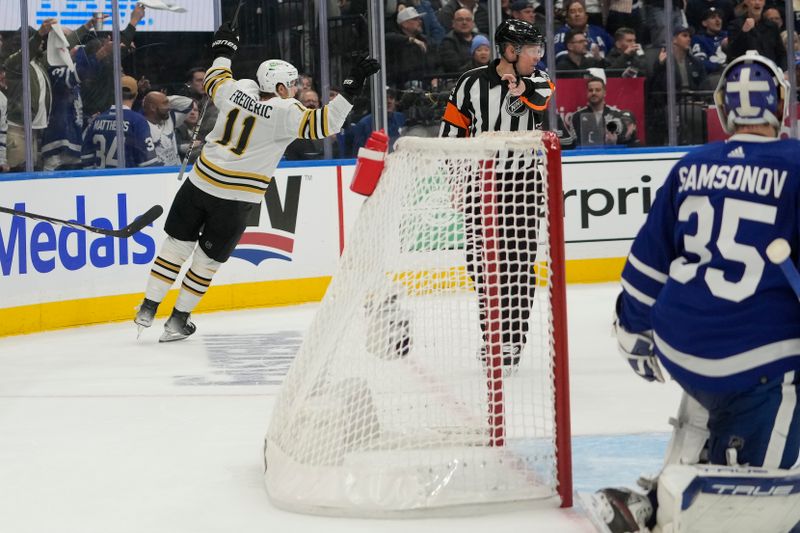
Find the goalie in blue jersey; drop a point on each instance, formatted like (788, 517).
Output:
(700, 299)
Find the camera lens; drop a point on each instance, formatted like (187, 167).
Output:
(612, 127)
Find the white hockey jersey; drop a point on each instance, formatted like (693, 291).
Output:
(250, 136)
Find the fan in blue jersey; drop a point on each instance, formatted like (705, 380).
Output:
(599, 41)
(709, 45)
(700, 298)
(100, 142)
(62, 140)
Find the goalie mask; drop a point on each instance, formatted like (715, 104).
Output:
(751, 90)
(274, 71)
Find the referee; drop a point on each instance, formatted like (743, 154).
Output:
(509, 94)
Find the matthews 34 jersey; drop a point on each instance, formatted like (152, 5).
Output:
(723, 317)
(99, 148)
(250, 136)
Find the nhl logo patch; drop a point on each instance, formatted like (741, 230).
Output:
(514, 106)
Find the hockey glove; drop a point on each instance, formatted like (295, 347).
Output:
(225, 42)
(637, 349)
(363, 68)
(538, 89)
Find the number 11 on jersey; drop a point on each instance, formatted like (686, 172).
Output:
(244, 136)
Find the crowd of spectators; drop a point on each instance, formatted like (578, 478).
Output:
(599, 40)
(596, 40)
(429, 44)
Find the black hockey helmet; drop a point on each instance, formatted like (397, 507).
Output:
(518, 33)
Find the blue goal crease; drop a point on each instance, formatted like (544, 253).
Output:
(615, 460)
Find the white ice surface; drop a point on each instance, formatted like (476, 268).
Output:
(100, 432)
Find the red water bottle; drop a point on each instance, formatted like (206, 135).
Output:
(369, 165)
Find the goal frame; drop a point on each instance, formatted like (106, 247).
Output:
(558, 299)
(555, 201)
(328, 452)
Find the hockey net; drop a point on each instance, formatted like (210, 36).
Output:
(434, 373)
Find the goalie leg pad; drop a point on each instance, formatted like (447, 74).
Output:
(733, 499)
(688, 444)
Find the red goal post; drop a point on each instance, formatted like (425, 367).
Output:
(434, 375)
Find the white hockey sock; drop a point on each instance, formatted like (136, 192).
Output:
(196, 281)
(166, 267)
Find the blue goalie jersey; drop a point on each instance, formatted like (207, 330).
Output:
(723, 317)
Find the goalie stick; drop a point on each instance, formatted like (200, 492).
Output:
(779, 253)
(123, 233)
(206, 98)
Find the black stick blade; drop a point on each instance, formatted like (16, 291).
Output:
(145, 220)
(123, 233)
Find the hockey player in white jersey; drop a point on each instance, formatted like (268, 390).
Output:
(233, 171)
(700, 299)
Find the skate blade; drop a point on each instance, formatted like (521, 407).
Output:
(170, 336)
(139, 330)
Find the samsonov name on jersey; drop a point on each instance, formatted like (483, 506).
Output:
(762, 181)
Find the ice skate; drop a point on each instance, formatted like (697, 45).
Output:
(510, 354)
(177, 327)
(145, 313)
(619, 510)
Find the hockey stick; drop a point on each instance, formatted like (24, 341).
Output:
(123, 233)
(196, 129)
(778, 252)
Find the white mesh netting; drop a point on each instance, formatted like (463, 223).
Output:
(426, 377)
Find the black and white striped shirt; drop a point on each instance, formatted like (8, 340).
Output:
(480, 102)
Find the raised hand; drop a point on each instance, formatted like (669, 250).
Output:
(225, 42)
(363, 68)
(92, 22)
(515, 87)
(47, 25)
(137, 15)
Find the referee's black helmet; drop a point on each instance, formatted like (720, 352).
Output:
(518, 33)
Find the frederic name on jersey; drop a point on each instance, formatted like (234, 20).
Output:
(762, 181)
(246, 102)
